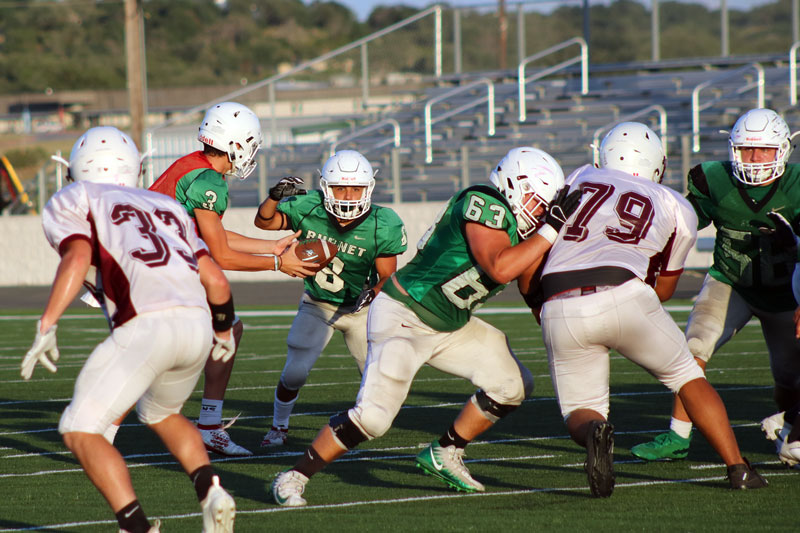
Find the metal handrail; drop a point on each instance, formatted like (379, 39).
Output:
(429, 122)
(696, 108)
(270, 82)
(522, 81)
(793, 73)
(662, 128)
(378, 125)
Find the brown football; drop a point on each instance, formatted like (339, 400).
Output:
(316, 251)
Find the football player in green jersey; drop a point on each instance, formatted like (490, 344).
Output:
(231, 136)
(752, 268)
(486, 237)
(369, 239)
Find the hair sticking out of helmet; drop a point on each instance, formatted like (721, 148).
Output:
(105, 155)
(529, 179)
(235, 130)
(634, 148)
(759, 128)
(347, 168)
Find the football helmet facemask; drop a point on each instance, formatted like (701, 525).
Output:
(528, 178)
(347, 168)
(759, 128)
(105, 155)
(234, 129)
(634, 148)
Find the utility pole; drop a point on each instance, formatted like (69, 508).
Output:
(501, 14)
(136, 70)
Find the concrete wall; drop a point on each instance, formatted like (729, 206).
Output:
(27, 258)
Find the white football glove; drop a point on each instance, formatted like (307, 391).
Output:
(44, 350)
(223, 349)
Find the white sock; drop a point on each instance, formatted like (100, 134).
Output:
(210, 413)
(110, 433)
(281, 412)
(682, 428)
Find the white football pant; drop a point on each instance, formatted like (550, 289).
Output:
(311, 331)
(579, 332)
(154, 359)
(400, 343)
(720, 312)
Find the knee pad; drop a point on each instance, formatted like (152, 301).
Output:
(492, 410)
(345, 431)
(707, 319)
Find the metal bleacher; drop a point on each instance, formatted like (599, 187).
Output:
(449, 131)
(560, 120)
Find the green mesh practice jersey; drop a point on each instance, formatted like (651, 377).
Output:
(746, 256)
(194, 184)
(443, 279)
(378, 233)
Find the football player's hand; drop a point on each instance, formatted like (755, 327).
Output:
(223, 349)
(562, 206)
(282, 244)
(288, 186)
(784, 234)
(294, 266)
(364, 299)
(44, 351)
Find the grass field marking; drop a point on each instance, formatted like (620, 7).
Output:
(400, 501)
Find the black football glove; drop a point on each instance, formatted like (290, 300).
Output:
(288, 186)
(364, 299)
(784, 234)
(562, 206)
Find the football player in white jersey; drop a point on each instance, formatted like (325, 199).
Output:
(139, 254)
(615, 260)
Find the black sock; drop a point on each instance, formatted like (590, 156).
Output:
(131, 518)
(451, 438)
(202, 479)
(310, 463)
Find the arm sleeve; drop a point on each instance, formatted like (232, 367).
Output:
(699, 196)
(685, 235)
(208, 191)
(392, 238)
(66, 217)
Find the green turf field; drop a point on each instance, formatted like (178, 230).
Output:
(533, 473)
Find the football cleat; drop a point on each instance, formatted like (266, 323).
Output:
(665, 446)
(789, 453)
(775, 428)
(447, 464)
(599, 464)
(219, 509)
(217, 440)
(275, 437)
(287, 489)
(743, 476)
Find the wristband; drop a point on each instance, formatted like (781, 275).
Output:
(277, 265)
(222, 315)
(548, 232)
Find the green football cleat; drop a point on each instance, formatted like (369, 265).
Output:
(665, 446)
(447, 464)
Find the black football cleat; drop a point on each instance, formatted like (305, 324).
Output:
(743, 476)
(600, 459)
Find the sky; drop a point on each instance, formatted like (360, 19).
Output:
(362, 8)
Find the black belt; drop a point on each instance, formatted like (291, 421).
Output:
(587, 280)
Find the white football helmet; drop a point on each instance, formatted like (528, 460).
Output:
(234, 129)
(528, 178)
(105, 155)
(759, 128)
(347, 168)
(634, 148)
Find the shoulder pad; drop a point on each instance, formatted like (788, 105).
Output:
(697, 178)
